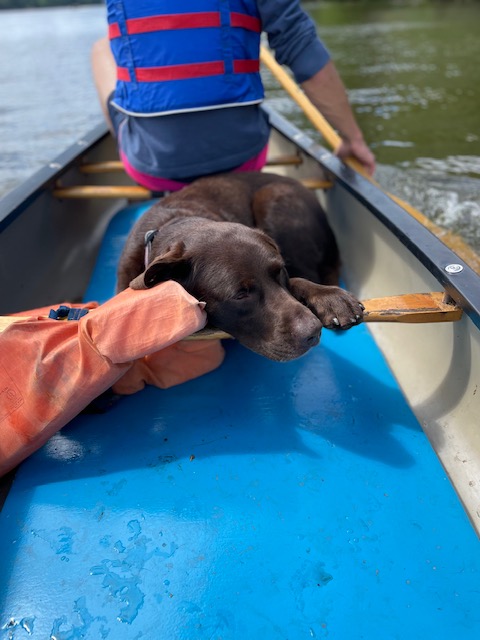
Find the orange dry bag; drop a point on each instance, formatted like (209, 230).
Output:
(51, 370)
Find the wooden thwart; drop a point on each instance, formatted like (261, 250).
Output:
(411, 308)
(116, 166)
(276, 161)
(316, 183)
(107, 166)
(102, 191)
(140, 193)
(406, 308)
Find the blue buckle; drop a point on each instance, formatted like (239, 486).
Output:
(67, 313)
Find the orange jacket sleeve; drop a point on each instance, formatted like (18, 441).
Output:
(50, 370)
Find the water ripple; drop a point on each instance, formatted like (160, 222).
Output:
(459, 165)
(452, 202)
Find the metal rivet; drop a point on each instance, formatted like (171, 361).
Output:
(453, 268)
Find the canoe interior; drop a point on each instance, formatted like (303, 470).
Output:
(263, 500)
(436, 365)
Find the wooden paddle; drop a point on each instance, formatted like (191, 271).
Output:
(333, 139)
(407, 308)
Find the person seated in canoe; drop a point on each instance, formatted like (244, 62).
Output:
(181, 91)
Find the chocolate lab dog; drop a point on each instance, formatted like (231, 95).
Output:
(257, 249)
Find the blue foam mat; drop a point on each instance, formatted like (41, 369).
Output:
(261, 501)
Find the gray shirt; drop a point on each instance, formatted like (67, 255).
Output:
(188, 145)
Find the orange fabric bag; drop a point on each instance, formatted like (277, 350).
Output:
(50, 370)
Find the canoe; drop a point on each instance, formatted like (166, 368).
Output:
(337, 495)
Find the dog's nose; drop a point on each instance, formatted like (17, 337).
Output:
(312, 340)
(309, 331)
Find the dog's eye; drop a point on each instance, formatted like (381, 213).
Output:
(242, 294)
(281, 275)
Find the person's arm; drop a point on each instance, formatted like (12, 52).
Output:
(293, 36)
(326, 91)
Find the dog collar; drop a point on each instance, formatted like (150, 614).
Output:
(149, 236)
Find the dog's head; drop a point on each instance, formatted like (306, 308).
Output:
(241, 276)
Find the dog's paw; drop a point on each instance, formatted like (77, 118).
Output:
(335, 307)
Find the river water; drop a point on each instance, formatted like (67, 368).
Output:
(412, 75)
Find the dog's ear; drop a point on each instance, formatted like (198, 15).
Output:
(171, 265)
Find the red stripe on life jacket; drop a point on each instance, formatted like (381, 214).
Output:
(179, 71)
(173, 21)
(123, 74)
(186, 71)
(246, 66)
(184, 21)
(245, 22)
(114, 31)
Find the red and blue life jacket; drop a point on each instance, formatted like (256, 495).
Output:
(204, 57)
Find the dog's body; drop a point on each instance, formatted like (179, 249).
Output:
(257, 248)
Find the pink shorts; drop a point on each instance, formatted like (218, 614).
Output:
(163, 184)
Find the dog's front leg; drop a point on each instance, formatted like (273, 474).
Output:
(335, 307)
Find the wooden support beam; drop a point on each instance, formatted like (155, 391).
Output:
(316, 183)
(102, 191)
(115, 166)
(406, 308)
(290, 160)
(409, 308)
(140, 193)
(102, 167)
